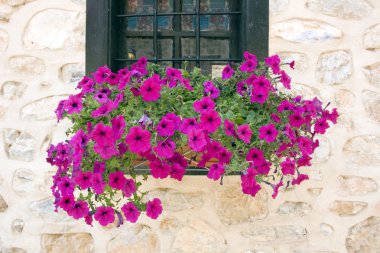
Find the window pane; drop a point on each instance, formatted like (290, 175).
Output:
(165, 48)
(138, 47)
(206, 5)
(188, 22)
(188, 48)
(214, 48)
(139, 6)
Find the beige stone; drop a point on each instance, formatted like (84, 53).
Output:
(372, 37)
(273, 233)
(12, 90)
(334, 67)
(44, 209)
(70, 242)
(18, 226)
(14, 3)
(27, 64)
(3, 40)
(173, 200)
(372, 73)
(345, 9)
(5, 13)
(364, 236)
(326, 229)
(169, 224)
(3, 204)
(71, 72)
(362, 151)
(315, 191)
(347, 208)
(3, 111)
(305, 30)
(138, 239)
(277, 6)
(24, 181)
(371, 102)
(42, 109)
(355, 185)
(15, 250)
(233, 207)
(300, 60)
(296, 208)
(323, 152)
(19, 145)
(344, 100)
(198, 236)
(55, 29)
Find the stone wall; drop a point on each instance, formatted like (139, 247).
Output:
(336, 45)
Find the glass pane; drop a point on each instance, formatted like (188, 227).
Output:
(165, 48)
(214, 48)
(216, 23)
(206, 5)
(188, 22)
(138, 47)
(140, 6)
(165, 6)
(188, 49)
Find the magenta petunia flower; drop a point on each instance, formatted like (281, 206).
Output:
(244, 133)
(304, 161)
(102, 134)
(73, 104)
(177, 172)
(255, 156)
(173, 73)
(166, 127)
(159, 169)
(249, 57)
(101, 74)
(129, 188)
(118, 126)
(285, 106)
(180, 159)
(117, 180)
(188, 124)
(197, 140)
(103, 110)
(212, 91)
(101, 98)
(97, 183)
(249, 184)
(261, 82)
(151, 88)
(263, 168)
(241, 88)
(138, 140)
(104, 215)
(83, 179)
(288, 166)
(79, 210)
(131, 212)
(333, 116)
(285, 80)
(173, 117)
(288, 131)
(165, 149)
(106, 150)
(206, 103)
(154, 208)
(112, 79)
(275, 118)
(86, 84)
(248, 66)
(66, 202)
(296, 120)
(229, 128)
(305, 145)
(300, 179)
(259, 96)
(99, 167)
(274, 63)
(66, 186)
(227, 72)
(60, 110)
(321, 125)
(268, 133)
(214, 147)
(276, 188)
(210, 121)
(224, 156)
(215, 172)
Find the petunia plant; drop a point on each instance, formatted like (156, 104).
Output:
(243, 123)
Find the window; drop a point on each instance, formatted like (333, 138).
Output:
(170, 32)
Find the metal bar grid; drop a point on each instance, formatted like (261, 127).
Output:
(178, 14)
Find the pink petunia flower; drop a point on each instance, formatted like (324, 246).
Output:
(129, 187)
(165, 149)
(83, 179)
(259, 96)
(288, 166)
(99, 167)
(249, 57)
(255, 156)
(106, 150)
(188, 124)
(177, 171)
(244, 133)
(180, 159)
(285, 80)
(138, 140)
(166, 127)
(305, 145)
(97, 183)
(268, 133)
(197, 140)
(101, 74)
(321, 125)
(227, 72)
(210, 121)
(206, 103)
(300, 179)
(86, 84)
(212, 91)
(117, 180)
(224, 156)
(249, 184)
(151, 88)
(296, 120)
(285, 106)
(131, 212)
(112, 79)
(66, 186)
(215, 172)
(275, 118)
(248, 66)
(154, 208)
(159, 169)
(229, 128)
(101, 98)
(73, 104)
(79, 210)
(261, 82)
(304, 161)
(276, 188)
(274, 63)
(66, 202)
(104, 215)
(118, 126)
(102, 134)
(103, 110)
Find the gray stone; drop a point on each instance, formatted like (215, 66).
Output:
(372, 73)
(300, 60)
(174, 200)
(3, 204)
(44, 209)
(5, 13)
(27, 64)
(277, 6)
(323, 152)
(305, 31)
(42, 109)
(294, 208)
(326, 229)
(71, 72)
(372, 37)
(18, 226)
(3, 111)
(355, 185)
(3, 40)
(138, 239)
(347, 208)
(364, 237)
(198, 236)
(334, 67)
(15, 250)
(12, 90)
(70, 242)
(55, 29)
(371, 102)
(274, 233)
(362, 151)
(344, 100)
(233, 207)
(24, 182)
(345, 9)
(19, 145)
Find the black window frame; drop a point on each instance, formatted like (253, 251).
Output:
(102, 33)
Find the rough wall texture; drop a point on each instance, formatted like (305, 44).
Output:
(336, 44)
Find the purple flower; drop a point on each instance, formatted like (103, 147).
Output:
(101, 74)
(117, 180)
(151, 88)
(255, 156)
(244, 133)
(212, 91)
(103, 110)
(268, 133)
(159, 169)
(188, 124)
(248, 66)
(165, 149)
(112, 79)
(227, 72)
(97, 183)
(197, 140)
(73, 104)
(249, 184)
(285, 80)
(60, 110)
(66, 202)
(101, 97)
(321, 125)
(102, 134)
(166, 127)
(129, 188)
(177, 171)
(288, 166)
(210, 121)
(138, 140)
(118, 126)
(154, 208)
(296, 120)
(259, 96)
(229, 128)
(300, 179)
(204, 104)
(83, 179)
(131, 212)
(249, 57)
(216, 170)
(274, 63)
(276, 188)
(66, 186)
(79, 210)
(104, 215)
